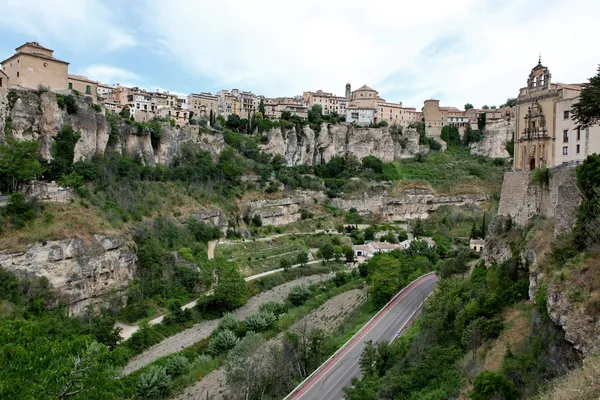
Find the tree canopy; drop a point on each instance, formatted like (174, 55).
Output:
(587, 110)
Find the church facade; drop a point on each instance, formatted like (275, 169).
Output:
(545, 134)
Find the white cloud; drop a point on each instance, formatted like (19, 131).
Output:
(111, 75)
(459, 51)
(76, 23)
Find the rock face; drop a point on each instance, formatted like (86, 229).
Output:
(308, 148)
(283, 211)
(81, 273)
(37, 116)
(412, 204)
(558, 199)
(495, 136)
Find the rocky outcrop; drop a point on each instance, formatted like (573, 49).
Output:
(495, 135)
(80, 273)
(285, 210)
(308, 148)
(411, 204)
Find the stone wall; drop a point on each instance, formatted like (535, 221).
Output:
(559, 199)
(80, 273)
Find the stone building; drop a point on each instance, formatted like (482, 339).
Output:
(363, 105)
(83, 85)
(201, 104)
(34, 65)
(328, 101)
(294, 105)
(3, 80)
(104, 91)
(545, 135)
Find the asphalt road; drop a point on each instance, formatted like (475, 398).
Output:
(328, 382)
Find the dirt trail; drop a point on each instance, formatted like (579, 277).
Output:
(328, 317)
(203, 329)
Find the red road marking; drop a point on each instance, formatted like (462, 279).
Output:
(298, 392)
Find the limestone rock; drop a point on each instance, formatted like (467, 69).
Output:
(285, 210)
(80, 273)
(495, 136)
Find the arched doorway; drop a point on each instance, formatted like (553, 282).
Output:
(532, 164)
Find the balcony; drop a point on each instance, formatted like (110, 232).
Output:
(535, 134)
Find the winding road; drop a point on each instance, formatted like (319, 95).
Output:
(329, 380)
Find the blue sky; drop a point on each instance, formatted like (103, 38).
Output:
(460, 51)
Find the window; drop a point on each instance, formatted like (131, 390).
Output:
(577, 149)
(566, 115)
(17, 74)
(88, 89)
(565, 151)
(578, 133)
(70, 85)
(565, 136)
(0, 82)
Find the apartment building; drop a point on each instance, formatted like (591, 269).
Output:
(395, 114)
(294, 105)
(328, 101)
(104, 91)
(201, 104)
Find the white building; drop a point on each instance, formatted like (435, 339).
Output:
(360, 115)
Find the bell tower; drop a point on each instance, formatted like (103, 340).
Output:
(348, 93)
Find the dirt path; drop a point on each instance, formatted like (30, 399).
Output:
(328, 317)
(203, 329)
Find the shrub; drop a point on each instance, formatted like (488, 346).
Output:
(299, 295)
(540, 176)
(67, 102)
(274, 307)
(153, 384)
(177, 365)
(493, 385)
(223, 341)
(260, 321)
(228, 322)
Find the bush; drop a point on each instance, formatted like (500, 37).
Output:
(274, 307)
(153, 384)
(223, 341)
(21, 211)
(299, 295)
(493, 385)
(177, 365)
(229, 322)
(67, 102)
(260, 321)
(540, 176)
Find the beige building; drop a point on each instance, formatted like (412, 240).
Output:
(83, 85)
(545, 135)
(366, 107)
(34, 65)
(104, 91)
(395, 114)
(275, 106)
(201, 104)
(328, 101)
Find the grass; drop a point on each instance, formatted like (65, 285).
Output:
(580, 384)
(58, 221)
(454, 171)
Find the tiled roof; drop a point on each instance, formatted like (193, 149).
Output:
(39, 55)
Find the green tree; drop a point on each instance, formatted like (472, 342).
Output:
(493, 385)
(384, 280)
(327, 251)
(587, 110)
(468, 106)
(348, 253)
(63, 151)
(481, 121)
(285, 264)
(299, 294)
(231, 290)
(261, 107)
(286, 115)
(373, 163)
(315, 114)
(302, 258)
(485, 107)
(19, 163)
(510, 102)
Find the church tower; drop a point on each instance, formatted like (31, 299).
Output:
(348, 93)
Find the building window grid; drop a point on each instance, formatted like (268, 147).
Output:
(566, 136)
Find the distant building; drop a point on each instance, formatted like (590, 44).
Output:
(328, 101)
(545, 134)
(3, 80)
(366, 107)
(104, 91)
(294, 105)
(34, 65)
(477, 245)
(201, 104)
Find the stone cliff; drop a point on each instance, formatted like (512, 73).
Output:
(310, 148)
(80, 273)
(33, 115)
(495, 136)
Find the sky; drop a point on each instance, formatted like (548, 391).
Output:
(460, 51)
